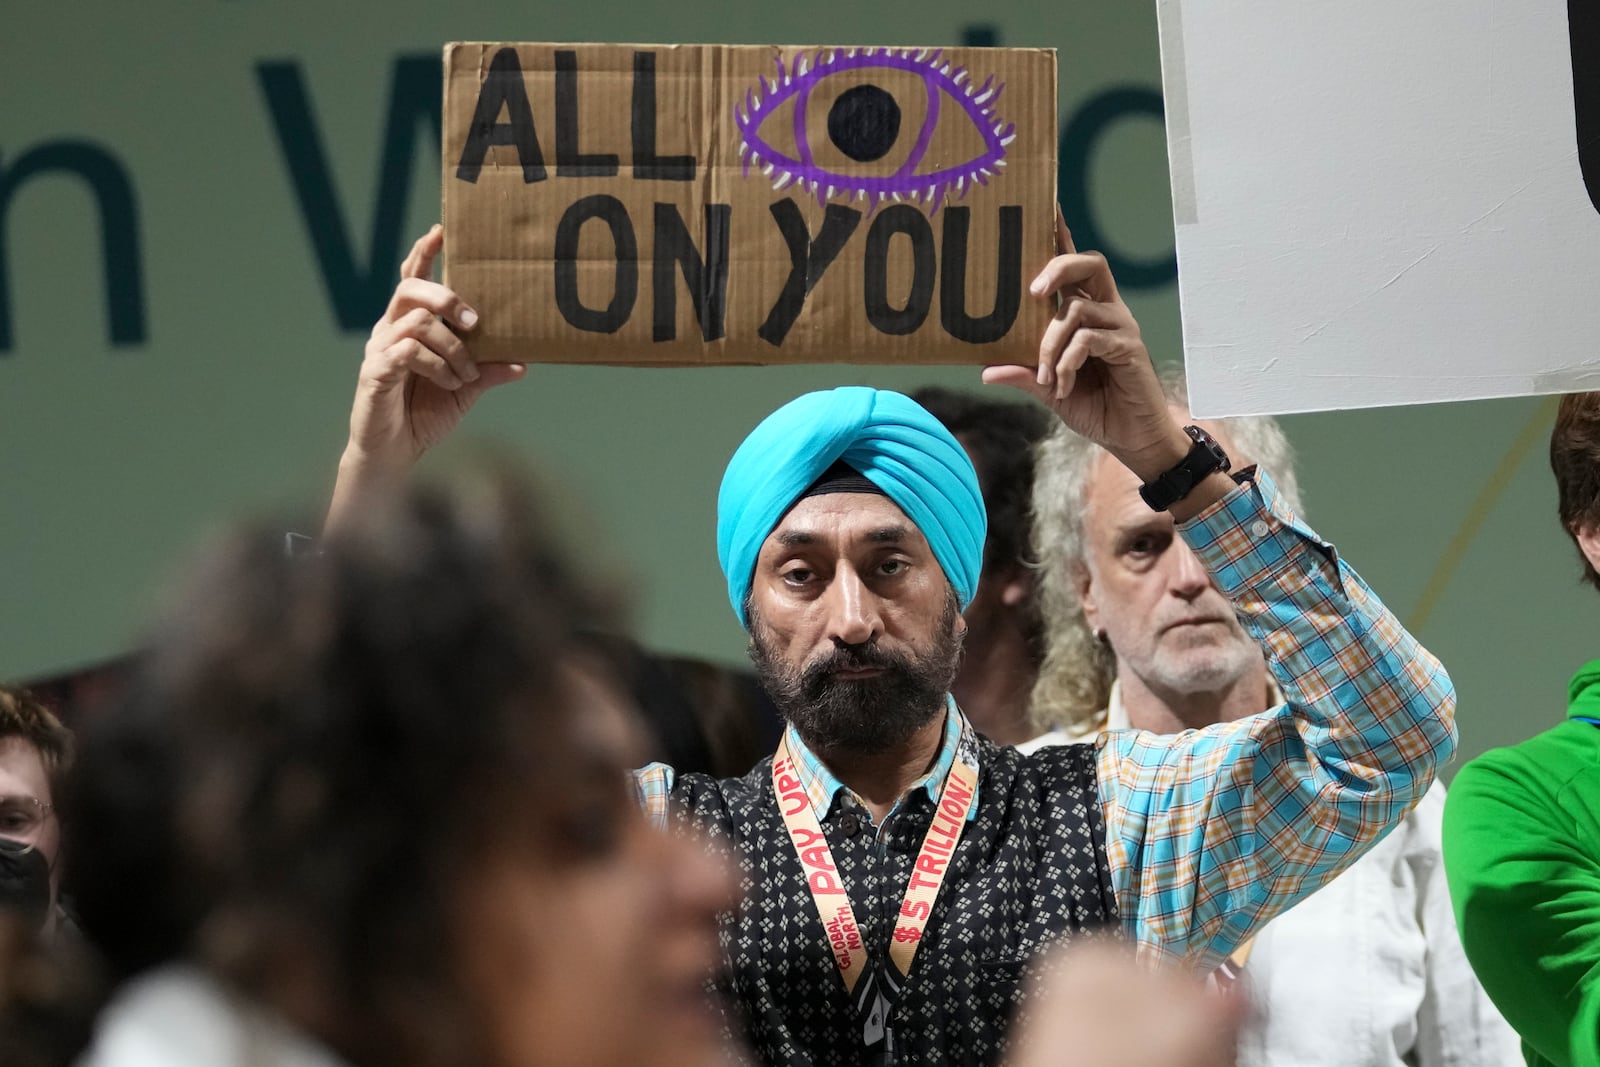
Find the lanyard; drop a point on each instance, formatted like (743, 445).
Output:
(878, 996)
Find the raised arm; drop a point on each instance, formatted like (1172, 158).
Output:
(418, 378)
(1211, 833)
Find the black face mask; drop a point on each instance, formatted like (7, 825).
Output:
(24, 883)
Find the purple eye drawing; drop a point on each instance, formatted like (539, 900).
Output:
(864, 154)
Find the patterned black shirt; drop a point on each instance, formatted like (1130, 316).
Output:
(1030, 869)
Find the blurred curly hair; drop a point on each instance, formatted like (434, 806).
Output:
(313, 749)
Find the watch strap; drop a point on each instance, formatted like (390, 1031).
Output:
(1205, 456)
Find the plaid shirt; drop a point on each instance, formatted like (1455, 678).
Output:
(1210, 833)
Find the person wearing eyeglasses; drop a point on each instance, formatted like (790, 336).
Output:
(35, 755)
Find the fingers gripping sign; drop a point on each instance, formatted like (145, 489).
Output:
(1093, 369)
(418, 377)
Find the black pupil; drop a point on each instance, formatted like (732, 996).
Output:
(864, 122)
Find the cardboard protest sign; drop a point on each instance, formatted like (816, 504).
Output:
(1383, 203)
(700, 204)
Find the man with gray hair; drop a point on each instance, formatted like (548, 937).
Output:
(1368, 971)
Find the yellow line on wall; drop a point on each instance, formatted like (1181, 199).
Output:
(1535, 430)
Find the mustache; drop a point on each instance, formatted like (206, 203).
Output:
(855, 658)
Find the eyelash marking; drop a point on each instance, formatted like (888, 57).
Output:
(977, 101)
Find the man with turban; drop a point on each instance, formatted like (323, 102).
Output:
(899, 870)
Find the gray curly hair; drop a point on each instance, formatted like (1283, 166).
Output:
(1074, 683)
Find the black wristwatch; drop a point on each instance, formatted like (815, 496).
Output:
(1205, 457)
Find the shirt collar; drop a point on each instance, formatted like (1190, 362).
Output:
(179, 1014)
(823, 788)
(1583, 693)
(1116, 714)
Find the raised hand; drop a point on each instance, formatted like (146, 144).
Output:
(1093, 369)
(417, 380)
(418, 377)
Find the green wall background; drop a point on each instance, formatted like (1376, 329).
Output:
(115, 459)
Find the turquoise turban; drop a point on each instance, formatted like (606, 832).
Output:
(891, 440)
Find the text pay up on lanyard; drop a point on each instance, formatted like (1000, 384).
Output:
(876, 999)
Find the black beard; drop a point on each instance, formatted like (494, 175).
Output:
(864, 714)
